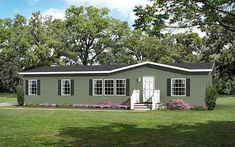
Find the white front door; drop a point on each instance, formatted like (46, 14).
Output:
(148, 87)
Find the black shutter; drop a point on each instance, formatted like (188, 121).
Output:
(26, 87)
(127, 87)
(59, 87)
(72, 87)
(38, 87)
(187, 87)
(168, 87)
(90, 87)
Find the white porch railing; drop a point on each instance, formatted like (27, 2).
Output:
(135, 98)
(155, 98)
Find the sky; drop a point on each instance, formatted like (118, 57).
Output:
(121, 9)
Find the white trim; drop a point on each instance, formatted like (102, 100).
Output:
(62, 87)
(119, 69)
(109, 87)
(31, 87)
(184, 86)
(153, 84)
(116, 87)
(93, 87)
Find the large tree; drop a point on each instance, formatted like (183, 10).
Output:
(185, 13)
(91, 31)
(220, 49)
(12, 49)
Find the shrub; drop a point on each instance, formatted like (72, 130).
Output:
(65, 105)
(211, 95)
(20, 95)
(32, 105)
(198, 108)
(177, 104)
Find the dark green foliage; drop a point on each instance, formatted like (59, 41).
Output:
(211, 95)
(65, 105)
(20, 95)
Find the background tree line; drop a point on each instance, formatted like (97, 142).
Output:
(88, 35)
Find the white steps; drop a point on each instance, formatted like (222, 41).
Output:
(143, 107)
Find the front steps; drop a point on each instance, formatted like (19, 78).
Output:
(144, 106)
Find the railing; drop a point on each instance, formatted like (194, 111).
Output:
(155, 98)
(135, 98)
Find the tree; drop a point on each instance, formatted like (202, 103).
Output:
(89, 29)
(143, 47)
(220, 49)
(41, 43)
(12, 49)
(185, 13)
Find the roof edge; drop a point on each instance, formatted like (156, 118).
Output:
(120, 69)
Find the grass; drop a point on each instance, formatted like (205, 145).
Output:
(73, 127)
(6, 97)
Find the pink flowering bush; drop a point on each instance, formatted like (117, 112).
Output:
(104, 105)
(178, 104)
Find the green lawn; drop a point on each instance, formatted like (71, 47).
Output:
(6, 97)
(73, 127)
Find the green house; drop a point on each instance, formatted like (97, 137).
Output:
(144, 83)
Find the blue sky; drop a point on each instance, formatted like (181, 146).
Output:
(121, 9)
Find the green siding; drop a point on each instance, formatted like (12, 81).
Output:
(49, 86)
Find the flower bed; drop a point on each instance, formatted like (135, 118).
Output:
(105, 105)
(178, 104)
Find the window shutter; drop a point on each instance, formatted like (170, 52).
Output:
(168, 87)
(38, 87)
(59, 87)
(26, 87)
(187, 87)
(90, 87)
(72, 87)
(127, 87)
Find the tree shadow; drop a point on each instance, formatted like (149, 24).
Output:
(213, 133)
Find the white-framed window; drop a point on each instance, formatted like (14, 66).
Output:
(178, 87)
(97, 87)
(108, 87)
(32, 87)
(66, 87)
(121, 87)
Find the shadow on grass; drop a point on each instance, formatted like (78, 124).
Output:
(213, 133)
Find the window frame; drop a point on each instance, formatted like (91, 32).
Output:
(120, 87)
(29, 86)
(114, 87)
(93, 87)
(185, 86)
(61, 88)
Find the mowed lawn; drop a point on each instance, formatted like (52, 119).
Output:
(7, 98)
(74, 127)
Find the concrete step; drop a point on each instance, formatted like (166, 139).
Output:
(143, 106)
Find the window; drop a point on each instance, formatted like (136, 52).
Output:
(97, 87)
(66, 87)
(178, 87)
(32, 87)
(121, 87)
(108, 87)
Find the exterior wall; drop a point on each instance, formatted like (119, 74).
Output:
(49, 86)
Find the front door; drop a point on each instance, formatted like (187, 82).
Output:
(148, 87)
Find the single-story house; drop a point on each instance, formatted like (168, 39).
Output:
(118, 83)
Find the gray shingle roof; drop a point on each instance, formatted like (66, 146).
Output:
(193, 65)
(96, 68)
(76, 68)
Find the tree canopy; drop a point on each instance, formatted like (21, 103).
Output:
(89, 35)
